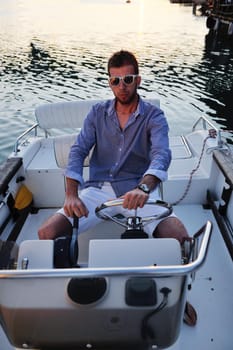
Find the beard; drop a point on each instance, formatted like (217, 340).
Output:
(126, 98)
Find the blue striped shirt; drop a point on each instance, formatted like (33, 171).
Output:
(121, 157)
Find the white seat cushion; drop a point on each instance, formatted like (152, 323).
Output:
(38, 254)
(134, 252)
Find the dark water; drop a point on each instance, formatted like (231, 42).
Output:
(53, 50)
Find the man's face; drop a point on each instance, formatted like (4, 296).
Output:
(124, 92)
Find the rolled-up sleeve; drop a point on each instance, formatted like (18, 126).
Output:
(160, 154)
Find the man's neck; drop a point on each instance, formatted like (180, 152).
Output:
(127, 108)
(124, 110)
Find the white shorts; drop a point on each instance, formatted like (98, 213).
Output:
(94, 197)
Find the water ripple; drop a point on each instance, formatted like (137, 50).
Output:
(61, 56)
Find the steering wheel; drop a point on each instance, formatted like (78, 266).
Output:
(132, 223)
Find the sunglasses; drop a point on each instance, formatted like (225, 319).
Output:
(127, 79)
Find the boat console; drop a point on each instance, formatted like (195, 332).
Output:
(131, 294)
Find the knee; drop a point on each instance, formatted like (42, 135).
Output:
(171, 228)
(47, 231)
(44, 233)
(55, 226)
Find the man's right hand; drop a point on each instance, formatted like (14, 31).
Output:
(73, 204)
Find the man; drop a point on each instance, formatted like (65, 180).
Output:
(130, 157)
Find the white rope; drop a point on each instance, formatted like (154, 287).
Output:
(212, 134)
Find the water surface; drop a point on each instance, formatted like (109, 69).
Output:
(54, 50)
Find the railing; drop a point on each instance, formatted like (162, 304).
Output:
(205, 124)
(16, 145)
(152, 271)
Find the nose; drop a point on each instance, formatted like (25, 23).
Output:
(122, 83)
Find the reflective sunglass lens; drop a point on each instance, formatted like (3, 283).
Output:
(114, 81)
(128, 79)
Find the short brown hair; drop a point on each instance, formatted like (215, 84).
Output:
(122, 58)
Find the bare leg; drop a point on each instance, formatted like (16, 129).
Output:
(57, 225)
(171, 228)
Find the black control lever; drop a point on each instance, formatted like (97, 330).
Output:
(74, 243)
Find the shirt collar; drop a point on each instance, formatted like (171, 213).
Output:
(139, 111)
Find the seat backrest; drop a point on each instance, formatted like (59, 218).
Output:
(63, 114)
(62, 146)
(36, 254)
(69, 114)
(115, 252)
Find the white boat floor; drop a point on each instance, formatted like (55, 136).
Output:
(209, 295)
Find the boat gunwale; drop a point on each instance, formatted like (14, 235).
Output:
(152, 271)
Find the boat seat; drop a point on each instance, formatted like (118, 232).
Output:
(62, 115)
(35, 254)
(127, 252)
(180, 147)
(62, 146)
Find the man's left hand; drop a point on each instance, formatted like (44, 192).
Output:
(134, 199)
